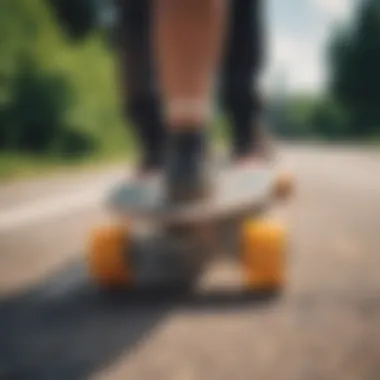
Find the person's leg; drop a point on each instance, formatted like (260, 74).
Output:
(138, 82)
(189, 37)
(243, 59)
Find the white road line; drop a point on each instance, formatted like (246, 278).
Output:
(61, 204)
(55, 206)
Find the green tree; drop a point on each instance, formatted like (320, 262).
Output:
(55, 96)
(355, 70)
(328, 119)
(78, 17)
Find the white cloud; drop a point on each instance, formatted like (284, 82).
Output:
(336, 9)
(298, 59)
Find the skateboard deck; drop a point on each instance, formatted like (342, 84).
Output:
(235, 188)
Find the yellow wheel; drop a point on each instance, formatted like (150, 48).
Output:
(108, 256)
(284, 186)
(263, 254)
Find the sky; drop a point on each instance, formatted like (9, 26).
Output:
(297, 33)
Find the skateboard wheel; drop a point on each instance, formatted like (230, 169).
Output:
(263, 254)
(108, 256)
(284, 186)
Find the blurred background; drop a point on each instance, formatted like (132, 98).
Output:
(60, 101)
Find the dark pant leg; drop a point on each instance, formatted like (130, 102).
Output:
(138, 80)
(242, 62)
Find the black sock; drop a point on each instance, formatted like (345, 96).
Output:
(187, 140)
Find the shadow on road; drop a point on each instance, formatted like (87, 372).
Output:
(65, 328)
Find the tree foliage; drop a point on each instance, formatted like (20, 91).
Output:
(55, 96)
(355, 73)
(78, 17)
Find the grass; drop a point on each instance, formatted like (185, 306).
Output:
(19, 166)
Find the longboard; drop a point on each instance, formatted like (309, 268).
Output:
(127, 254)
(235, 188)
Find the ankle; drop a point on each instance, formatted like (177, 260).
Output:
(187, 140)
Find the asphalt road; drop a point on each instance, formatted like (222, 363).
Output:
(54, 324)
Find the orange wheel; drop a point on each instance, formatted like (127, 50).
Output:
(263, 254)
(108, 256)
